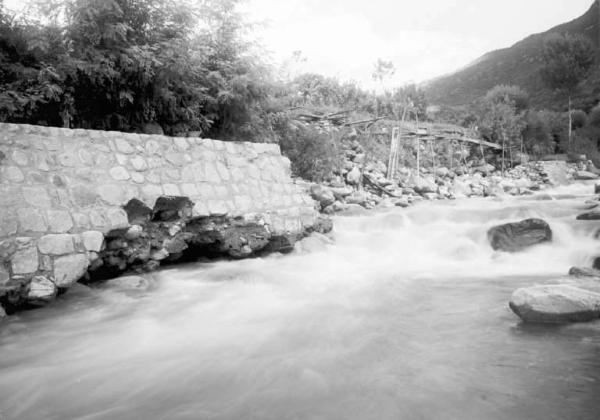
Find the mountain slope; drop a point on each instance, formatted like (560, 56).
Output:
(517, 65)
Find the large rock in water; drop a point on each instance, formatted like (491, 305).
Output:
(592, 215)
(513, 237)
(555, 304)
(584, 272)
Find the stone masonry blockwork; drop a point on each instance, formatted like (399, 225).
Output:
(61, 190)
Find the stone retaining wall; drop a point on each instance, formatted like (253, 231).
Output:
(62, 190)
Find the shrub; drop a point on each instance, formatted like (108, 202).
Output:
(579, 119)
(537, 137)
(508, 94)
(594, 117)
(584, 142)
(314, 154)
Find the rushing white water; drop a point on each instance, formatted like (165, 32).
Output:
(405, 317)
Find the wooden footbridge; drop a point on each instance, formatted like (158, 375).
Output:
(430, 133)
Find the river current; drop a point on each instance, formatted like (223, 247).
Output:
(405, 316)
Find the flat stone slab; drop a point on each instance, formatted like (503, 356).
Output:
(555, 304)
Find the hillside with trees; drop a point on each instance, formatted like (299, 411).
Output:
(520, 65)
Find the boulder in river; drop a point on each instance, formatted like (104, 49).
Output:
(592, 215)
(322, 195)
(584, 272)
(2, 313)
(513, 237)
(423, 185)
(555, 304)
(353, 177)
(315, 242)
(585, 176)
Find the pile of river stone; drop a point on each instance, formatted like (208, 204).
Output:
(362, 183)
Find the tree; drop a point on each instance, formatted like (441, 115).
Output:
(500, 120)
(567, 61)
(382, 70)
(131, 65)
(537, 136)
(509, 94)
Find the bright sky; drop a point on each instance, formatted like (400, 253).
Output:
(423, 38)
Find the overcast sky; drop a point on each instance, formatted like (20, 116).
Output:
(423, 38)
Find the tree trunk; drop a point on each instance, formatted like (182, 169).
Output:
(503, 151)
(521, 148)
(570, 123)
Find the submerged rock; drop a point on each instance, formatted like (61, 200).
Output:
(2, 313)
(513, 237)
(313, 243)
(555, 304)
(584, 272)
(129, 283)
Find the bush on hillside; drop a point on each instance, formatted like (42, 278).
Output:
(579, 119)
(508, 94)
(585, 142)
(594, 117)
(537, 136)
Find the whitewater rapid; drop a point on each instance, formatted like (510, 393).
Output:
(404, 316)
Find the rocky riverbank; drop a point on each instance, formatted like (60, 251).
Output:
(361, 184)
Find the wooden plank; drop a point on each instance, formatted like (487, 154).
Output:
(483, 142)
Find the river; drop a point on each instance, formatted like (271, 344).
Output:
(405, 317)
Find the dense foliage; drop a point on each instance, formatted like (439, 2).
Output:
(567, 60)
(125, 64)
